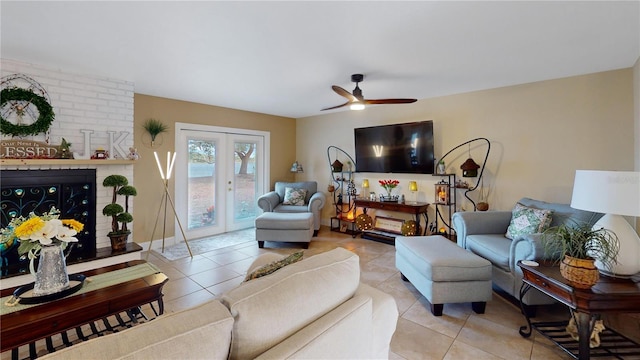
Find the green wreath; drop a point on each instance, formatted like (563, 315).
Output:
(39, 126)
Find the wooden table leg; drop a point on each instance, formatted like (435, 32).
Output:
(526, 330)
(583, 322)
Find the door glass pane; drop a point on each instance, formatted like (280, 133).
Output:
(245, 180)
(201, 185)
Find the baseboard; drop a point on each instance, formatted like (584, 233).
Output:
(158, 243)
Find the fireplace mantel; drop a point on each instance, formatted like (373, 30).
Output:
(22, 162)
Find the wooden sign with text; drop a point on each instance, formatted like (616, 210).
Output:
(28, 149)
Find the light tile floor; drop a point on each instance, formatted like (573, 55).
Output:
(458, 334)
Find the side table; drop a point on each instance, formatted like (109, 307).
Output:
(609, 295)
(416, 208)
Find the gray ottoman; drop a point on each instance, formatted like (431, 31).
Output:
(444, 272)
(284, 227)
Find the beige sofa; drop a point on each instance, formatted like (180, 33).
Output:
(314, 309)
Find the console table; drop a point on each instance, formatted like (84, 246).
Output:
(609, 295)
(105, 307)
(416, 208)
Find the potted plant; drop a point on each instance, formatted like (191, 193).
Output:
(576, 246)
(388, 186)
(120, 216)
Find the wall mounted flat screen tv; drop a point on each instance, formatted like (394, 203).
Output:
(395, 148)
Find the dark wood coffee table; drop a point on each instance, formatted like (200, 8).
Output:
(94, 308)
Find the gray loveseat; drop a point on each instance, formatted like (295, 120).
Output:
(483, 233)
(313, 202)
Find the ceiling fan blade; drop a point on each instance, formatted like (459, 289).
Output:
(390, 101)
(335, 107)
(342, 92)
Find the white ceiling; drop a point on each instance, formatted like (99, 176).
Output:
(281, 58)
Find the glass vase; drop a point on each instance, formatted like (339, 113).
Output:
(51, 276)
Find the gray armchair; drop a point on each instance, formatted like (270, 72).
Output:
(483, 233)
(313, 202)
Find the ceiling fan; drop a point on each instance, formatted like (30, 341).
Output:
(357, 101)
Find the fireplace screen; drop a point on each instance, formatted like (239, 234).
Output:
(73, 192)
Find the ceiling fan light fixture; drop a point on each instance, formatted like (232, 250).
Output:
(356, 101)
(357, 106)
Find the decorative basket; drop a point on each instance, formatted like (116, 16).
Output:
(581, 273)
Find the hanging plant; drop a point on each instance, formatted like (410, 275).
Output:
(154, 128)
(45, 110)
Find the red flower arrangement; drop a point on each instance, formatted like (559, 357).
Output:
(388, 185)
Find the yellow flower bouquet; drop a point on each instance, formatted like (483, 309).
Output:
(34, 232)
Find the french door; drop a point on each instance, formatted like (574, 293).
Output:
(220, 172)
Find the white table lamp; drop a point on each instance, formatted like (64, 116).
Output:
(616, 194)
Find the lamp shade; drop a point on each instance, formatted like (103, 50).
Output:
(413, 186)
(616, 194)
(365, 183)
(609, 192)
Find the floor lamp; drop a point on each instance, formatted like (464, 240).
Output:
(166, 198)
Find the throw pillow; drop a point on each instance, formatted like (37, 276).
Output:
(274, 266)
(527, 220)
(294, 196)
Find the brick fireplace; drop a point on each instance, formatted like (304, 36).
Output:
(101, 169)
(72, 192)
(91, 112)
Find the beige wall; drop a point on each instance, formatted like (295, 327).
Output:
(146, 176)
(629, 324)
(636, 112)
(540, 134)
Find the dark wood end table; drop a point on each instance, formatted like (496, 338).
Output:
(26, 326)
(609, 295)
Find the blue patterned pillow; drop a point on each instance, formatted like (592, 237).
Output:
(294, 196)
(526, 220)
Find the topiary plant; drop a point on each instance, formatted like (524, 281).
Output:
(120, 216)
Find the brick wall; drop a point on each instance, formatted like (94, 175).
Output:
(84, 102)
